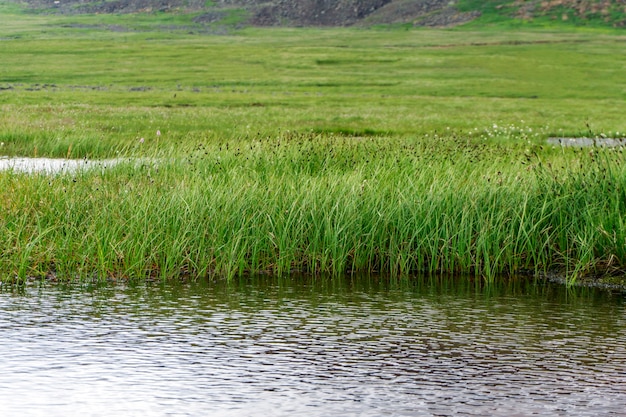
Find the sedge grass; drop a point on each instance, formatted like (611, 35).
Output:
(321, 204)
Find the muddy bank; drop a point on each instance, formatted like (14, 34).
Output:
(612, 283)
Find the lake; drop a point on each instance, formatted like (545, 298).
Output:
(312, 347)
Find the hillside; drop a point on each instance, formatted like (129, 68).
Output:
(577, 12)
(439, 13)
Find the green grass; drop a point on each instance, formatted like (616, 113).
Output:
(110, 90)
(322, 151)
(503, 14)
(322, 204)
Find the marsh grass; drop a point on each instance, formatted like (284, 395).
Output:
(322, 205)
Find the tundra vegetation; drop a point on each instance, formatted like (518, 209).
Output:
(318, 150)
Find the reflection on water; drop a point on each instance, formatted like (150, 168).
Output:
(312, 347)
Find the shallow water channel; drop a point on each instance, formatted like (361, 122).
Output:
(303, 347)
(52, 165)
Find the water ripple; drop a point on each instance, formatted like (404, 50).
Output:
(288, 349)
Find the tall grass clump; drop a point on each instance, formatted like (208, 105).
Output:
(321, 204)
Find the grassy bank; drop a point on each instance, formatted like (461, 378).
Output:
(323, 151)
(322, 204)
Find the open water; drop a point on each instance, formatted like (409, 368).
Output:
(312, 347)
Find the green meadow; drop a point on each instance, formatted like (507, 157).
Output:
(324, 151)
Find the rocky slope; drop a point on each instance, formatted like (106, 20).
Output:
(280, 12)
(353, 12)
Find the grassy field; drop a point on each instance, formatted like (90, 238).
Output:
(316, 150)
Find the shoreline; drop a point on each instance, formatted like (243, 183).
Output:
(614, 283)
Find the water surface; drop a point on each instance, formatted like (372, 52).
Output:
(58, 165)
(304, 347)
(51, 165)
(588, 142)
